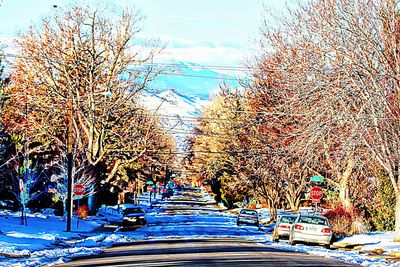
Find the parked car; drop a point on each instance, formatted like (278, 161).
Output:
(9, 205)
(168, 192)
(125, 215)
(311, 229)
(247, 216)
(283, 225)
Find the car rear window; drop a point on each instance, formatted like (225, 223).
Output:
(287, 219)
(313, 220)
(133, 210)
(249, 212)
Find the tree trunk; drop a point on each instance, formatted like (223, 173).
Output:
(344, 190)
(272, 210)
(397, 226)
(344, 196)
(22, 222)
(64, 218)
(293, 200)
(296, 204)
(91, 203)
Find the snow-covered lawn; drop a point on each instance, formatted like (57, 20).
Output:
(44, 240)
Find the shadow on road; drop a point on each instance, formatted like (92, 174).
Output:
(201, 252)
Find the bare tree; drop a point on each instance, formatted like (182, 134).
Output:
(319, 98)
(85, 68)
(343, 73)
(82, 173)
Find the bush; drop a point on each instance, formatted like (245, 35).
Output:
(383, 212)
(346, 223)
(82, 212)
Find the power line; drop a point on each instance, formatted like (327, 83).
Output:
(200, 118)
(190, 20)
(196, 66)
(201, 21)
(171, 117)
(177, 65)
(261, 151)
(222, 78)
(200, 76)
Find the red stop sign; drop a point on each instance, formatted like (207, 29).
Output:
(79, 189)
(149, 188)
(316, 192)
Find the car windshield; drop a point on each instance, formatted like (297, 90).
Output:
(287, 219)
(313, 220)
(133, 210)
(249, 212)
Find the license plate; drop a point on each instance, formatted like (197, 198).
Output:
(312, 229)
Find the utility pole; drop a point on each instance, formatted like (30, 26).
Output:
(24, 178)
(69, 163)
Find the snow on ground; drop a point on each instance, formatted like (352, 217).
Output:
(44, 240)
(349, 256)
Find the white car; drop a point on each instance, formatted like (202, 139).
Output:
(247, 216)
(283, 226)
(311, 229)
(125, 215)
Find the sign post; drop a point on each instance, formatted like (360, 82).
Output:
(150, 190)
(79, 190)
(316, 193)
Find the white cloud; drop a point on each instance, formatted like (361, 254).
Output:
(205, 52)
(221, 56)
(202, 53)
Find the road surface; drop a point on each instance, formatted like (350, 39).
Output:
(200, 252)
(188, 230)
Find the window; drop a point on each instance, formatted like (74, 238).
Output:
(133, 210)
(287, 219)
(313, 220)
(249, 212)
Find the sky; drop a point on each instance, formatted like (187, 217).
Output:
(207, 32)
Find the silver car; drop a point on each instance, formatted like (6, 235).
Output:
(312, 229)
(247, 216)
(282, 226)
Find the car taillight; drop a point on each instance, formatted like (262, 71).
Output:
(284, 226)
(326, 230)
(242, 216)
(298, 227)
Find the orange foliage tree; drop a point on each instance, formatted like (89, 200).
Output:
(85, 68)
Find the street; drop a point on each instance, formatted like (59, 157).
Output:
(201, 252)
(189, 230)
(199, 133)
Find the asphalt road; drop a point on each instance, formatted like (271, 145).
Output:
(185, 233)
(200, 252)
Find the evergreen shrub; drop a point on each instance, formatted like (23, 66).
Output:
(383, 212)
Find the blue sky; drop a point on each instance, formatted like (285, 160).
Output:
(215, 32)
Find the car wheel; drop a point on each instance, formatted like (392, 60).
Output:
(291, 241)
(275, 238)
(238, 224)
(328, 246)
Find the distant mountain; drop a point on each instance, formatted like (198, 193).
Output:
(190, 79)
(171, 103)
(183, 93)
(177, 112)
